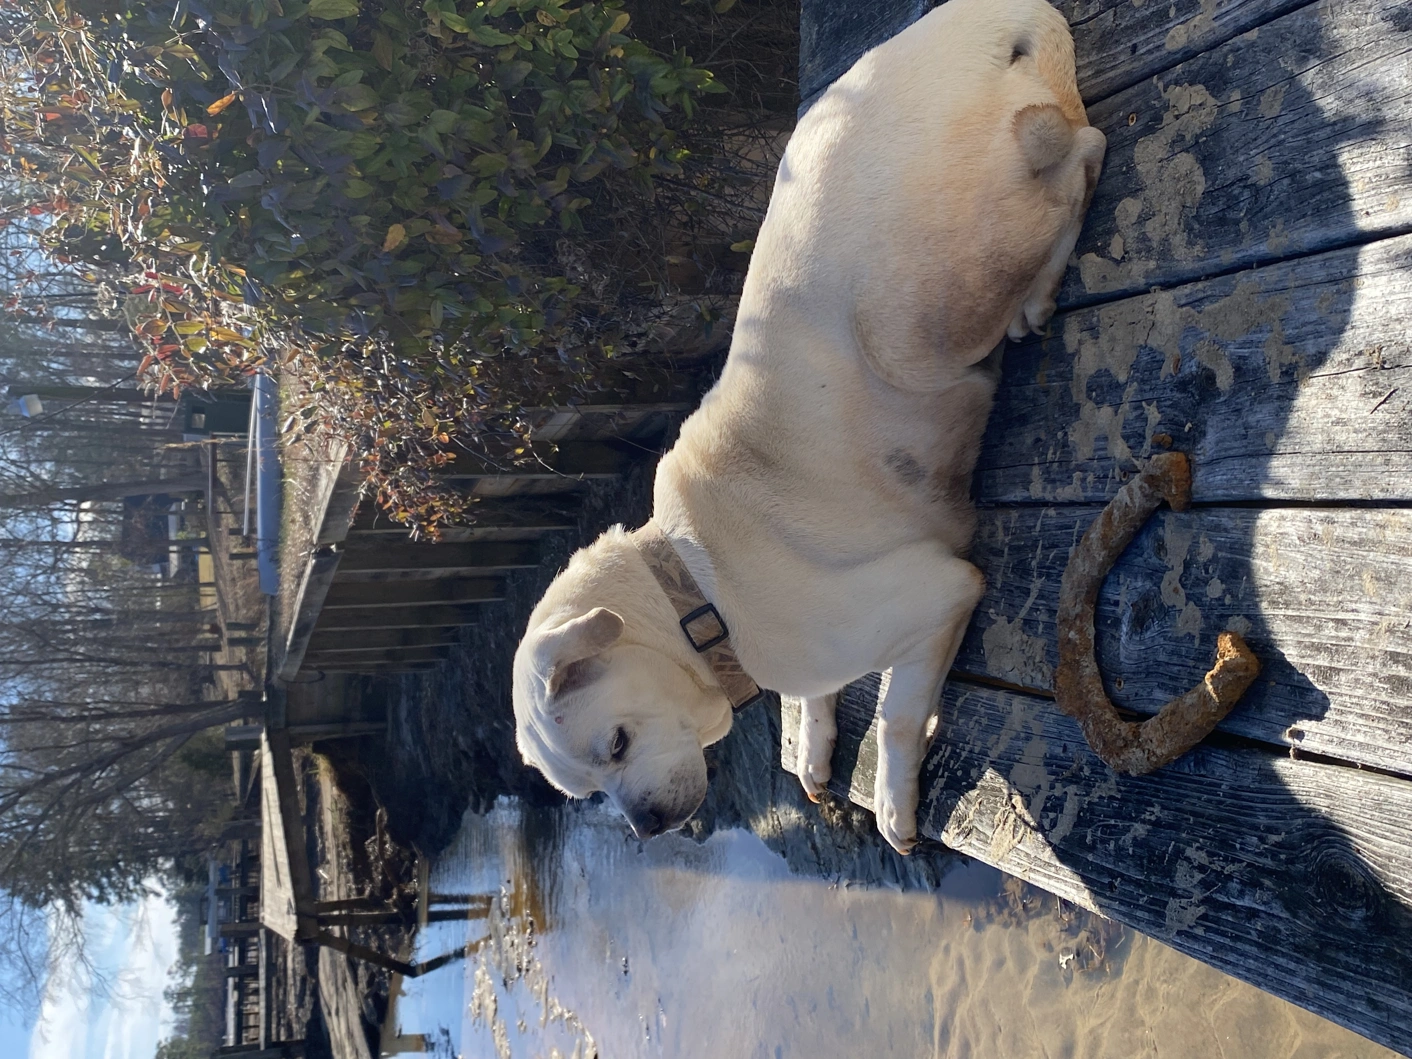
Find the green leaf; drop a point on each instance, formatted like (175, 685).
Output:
(491, 37)
(443, 121)
(511, 75)
(357, 189)
(490, 164)
(357, 97)
(384, 51)
(332, 9)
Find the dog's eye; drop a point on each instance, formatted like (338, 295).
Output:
(619, 746)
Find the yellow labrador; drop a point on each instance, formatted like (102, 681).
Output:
(926, 206)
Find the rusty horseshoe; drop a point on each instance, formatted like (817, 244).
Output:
(1137, 748)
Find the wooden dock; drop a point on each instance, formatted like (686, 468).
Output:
(1242, 292)
(359, 597)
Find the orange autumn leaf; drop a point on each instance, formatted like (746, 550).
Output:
(220, 104)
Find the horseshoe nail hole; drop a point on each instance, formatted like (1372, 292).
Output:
(1132, 119)
(1118, 683)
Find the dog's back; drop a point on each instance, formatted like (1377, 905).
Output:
(916, 203)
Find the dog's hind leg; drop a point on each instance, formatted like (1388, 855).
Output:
(818, 732)
(910, 694)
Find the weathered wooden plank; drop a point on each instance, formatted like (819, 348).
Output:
(1292, 875)
(834, 34)
(380, 557)
(567, 459)
(417, 617)
(1286, 140)
(414, 593)
(1117, 43)
(1323, 596)
(353, 641)
(334, 659)
(375, 668)
(317, 575)
(1291, 381)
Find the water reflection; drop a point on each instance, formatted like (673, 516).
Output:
(599, 945)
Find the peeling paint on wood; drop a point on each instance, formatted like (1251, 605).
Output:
(1275, 381)
(1320, 94)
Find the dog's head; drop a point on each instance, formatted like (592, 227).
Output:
(596, 711)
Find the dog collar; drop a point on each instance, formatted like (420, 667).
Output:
(701, 623)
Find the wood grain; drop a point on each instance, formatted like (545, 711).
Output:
(361, 556)
(1292, 381)
(1291, 875)
(1117, 43)
(1285, 140)
(834, 34)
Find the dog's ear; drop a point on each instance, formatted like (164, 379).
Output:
(580, 638)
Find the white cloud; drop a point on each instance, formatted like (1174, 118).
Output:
(113, 1009)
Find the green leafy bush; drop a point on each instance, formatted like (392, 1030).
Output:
(366, 165)
(387, 184)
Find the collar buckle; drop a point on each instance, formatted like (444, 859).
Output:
(708, 610)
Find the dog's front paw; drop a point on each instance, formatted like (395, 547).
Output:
(896, 811)
(817, 734)
(1032, 316)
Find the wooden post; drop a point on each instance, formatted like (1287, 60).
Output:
(239, 930)
(416, 617)
(367, 955)
(396, 594)
(409, 556)
(262, 986)
(277, 1050)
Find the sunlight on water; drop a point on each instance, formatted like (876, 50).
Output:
(599, 945)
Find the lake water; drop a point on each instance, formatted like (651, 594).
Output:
(599, 945)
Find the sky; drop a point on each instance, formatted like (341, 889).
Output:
(116, 1012)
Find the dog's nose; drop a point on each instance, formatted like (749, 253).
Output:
(646, 824)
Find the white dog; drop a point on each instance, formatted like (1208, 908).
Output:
(820, 497)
